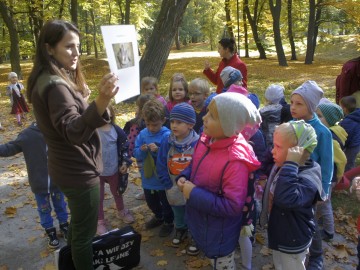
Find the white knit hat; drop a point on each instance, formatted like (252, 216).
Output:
(311, 93)
(12, 75)
(235, 112)
(274, 93)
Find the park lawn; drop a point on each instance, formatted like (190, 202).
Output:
(261, 73)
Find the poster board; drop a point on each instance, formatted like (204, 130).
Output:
(122, 53)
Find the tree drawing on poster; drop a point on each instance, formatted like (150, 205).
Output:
(124, 55)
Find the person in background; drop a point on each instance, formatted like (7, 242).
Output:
(291, 192)
(149, 86)
(330, 114)
(175, 154)
(31, 143)
(304, 101)
(228, 53)
(271, 112)
(178, 92)
(116, 162)
(18, 103)
(199, 90)
(215, 184)
(351, 124)
(56, 88)
(146, 149)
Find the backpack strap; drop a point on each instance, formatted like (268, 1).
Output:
(221, 191)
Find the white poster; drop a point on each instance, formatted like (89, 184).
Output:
(122, 53)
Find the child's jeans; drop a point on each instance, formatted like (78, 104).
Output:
(284, 261)
(179, 216)
(224, 263)
(351, 154)
(113, 183)
(325, 213)
(44, 208)
(157, 201)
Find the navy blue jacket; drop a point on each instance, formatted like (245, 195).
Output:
(351, 124)
(291, 224)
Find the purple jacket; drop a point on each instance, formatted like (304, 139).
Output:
(220, 171)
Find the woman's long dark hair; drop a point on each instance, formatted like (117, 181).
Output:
(228, 43)
(52, 33)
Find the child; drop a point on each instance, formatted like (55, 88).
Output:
(351, 123)
(149, 86)
(290, 196)
(199, 90)
(271, 112)
(304, 101)
(174, 156)
(115, 162)
(231, 76)
(215, 183)
(178, 91)
(18, 103)
(330, 114)
(147, 144)
(31, 142)
(133, 127)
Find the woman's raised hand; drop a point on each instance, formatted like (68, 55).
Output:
(107, 90)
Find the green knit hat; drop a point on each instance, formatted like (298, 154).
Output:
(305, 135)
(333, 113)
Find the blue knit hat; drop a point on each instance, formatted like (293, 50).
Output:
(183, 112)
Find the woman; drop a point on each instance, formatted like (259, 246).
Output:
(227, 50)
(56, 87)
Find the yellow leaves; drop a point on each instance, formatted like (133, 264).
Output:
(268, 266)
(265, 251)
(32, 239)
(197, 263)
(49, 266)
(45, 253)
(162, 263)
(157, 253)
(10, 212)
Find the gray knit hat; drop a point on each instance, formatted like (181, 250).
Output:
(274, 93)
(236, 112)
(230, 75)
(311, 93)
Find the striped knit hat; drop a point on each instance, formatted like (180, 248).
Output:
(183, 112)
(305, 135)
(333, 113)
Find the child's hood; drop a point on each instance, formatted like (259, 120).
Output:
(354, 116)
(339, 132)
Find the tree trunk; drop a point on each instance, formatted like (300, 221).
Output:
(275, 12)
(74, 12)
(246, 37)
(94, 32)
(177, 40)
(87, 32)
(61, 10)
(127, 11)
(157, 50)
(290, 31)
(253, 25)
(229, 26)
(14, 39)
(317, 23)
(122, 15)
(310, 35)
(36, 15)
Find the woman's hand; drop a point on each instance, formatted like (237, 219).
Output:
(107, 90)
(206, 65)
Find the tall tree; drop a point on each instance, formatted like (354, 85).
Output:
(310, 50)
(229, 25)
(253, 21)
(74, 11)
(246, 38)
(276, 12)
(158, 47)
(7, 16)
(290, 30)
(317, 24)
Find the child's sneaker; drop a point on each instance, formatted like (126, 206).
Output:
(53, 240)
(64, 229)
(179, 237)
(125, 216)
(153, 223)
(326, 236)
(166, 229)
(192, 249)
(101, 228)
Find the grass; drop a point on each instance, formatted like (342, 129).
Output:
(330, 56)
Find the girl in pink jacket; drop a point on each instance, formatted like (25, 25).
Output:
(215, 184)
